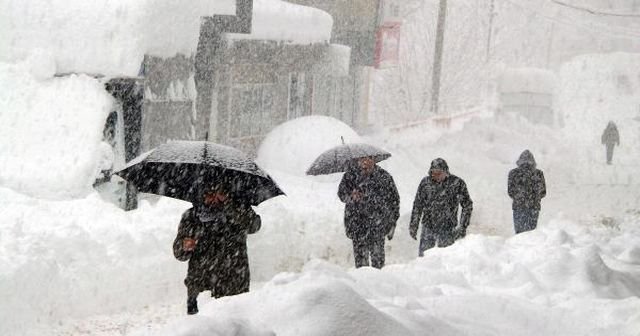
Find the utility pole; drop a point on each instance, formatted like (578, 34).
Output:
(437, 58)
(490, 33)
(552, 32)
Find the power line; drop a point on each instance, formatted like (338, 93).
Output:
(600, 29)
(593, 11)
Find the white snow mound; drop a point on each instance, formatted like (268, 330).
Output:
(293, 146)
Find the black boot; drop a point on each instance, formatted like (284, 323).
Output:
(192, 306)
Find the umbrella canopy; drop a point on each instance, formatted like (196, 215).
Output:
(185, 169)
(338, 159)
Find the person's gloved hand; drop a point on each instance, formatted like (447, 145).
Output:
(460, 232)
(390, 235)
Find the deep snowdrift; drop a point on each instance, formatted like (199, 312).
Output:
(583, 262)
(50, 130)
(564, 279)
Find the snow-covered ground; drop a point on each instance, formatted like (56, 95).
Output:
(72, 264)
(66, 270)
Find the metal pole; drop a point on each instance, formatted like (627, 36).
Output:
(550, 44)
(490, 34)
(437, 59)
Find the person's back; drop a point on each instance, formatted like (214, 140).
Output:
(526, 187)
(610, 138)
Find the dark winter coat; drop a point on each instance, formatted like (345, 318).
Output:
(610, 136)
(436, 203)
(526, 184)
(219, 262)
(376, 214)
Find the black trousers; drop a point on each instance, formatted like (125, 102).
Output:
(610, 153)
(369, 248)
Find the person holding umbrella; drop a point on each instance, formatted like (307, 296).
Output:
(372, 206)
(436, 208)
(212, 236)
(222, 183)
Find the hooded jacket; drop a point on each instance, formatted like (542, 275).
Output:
(526, 184)
(436, 203)
(610, 136)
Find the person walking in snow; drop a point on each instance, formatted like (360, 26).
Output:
(213, 238)
(372, 207)
(610, 138)
(436, 208)
(526, 186)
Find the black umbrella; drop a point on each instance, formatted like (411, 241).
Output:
(338, 159)
(185, 169)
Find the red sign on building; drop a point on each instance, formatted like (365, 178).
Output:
(387, 52)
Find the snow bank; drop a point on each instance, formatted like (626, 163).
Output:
(563, 279)
(60, 259)
(296, 305)
(293, 146)
(50, 130)
(79, 36)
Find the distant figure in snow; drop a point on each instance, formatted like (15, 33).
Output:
(213, 238)
(610, 138)
(436, 208)
(372, 207)
(526, 186)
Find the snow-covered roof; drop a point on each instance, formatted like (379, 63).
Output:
(278, 20)
(111, 37)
